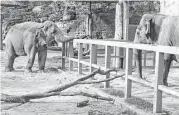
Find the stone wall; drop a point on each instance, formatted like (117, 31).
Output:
(170, 7)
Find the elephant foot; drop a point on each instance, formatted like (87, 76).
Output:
(140, 77)
(28, 71)
(8, 69)
(165, 83)
(41, 71)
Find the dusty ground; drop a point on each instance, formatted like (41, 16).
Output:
(18, 82)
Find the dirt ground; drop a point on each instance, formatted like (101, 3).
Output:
(18, 83)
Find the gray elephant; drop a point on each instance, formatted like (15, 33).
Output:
(161, 30)
(29, 38)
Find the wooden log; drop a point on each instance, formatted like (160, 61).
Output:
(82, 103)
(157, 103)
(57, 90)
(128, 71)
(117, 62)
(125, 26)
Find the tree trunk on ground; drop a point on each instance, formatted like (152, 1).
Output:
(58, 90)
(117, 62)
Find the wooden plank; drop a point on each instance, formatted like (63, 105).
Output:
(73, 59)
(63, 54)
(93, 57)
(154, 59)
(134, 59)
(128, 71)
(107, 63)
(70, 56)
(139, 80)
(85, 63)
(168, 90)
(157, 104)
(158, 48)
(80, 56)
(66, 51)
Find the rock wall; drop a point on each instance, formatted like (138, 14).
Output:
(169, 7)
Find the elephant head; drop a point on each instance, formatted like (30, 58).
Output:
(53, 33)
(143, 36)
(147, 32)
(40, 38)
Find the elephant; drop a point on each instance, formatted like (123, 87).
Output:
(29, 38)
(160, 30)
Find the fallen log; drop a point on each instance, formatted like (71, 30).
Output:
(26, 98)
(57, 91)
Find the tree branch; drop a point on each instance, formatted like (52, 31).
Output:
(104, 80)
(54, 91)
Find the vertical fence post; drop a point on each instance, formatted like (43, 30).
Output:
(157, 106)
(63, 55)
(145, 58)
(93, 57)
(154, 60)
(134, 58)
(70, 56)
(107, 63)
(80, 56)
(128, 71)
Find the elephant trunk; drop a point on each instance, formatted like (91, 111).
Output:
(138, 55)
(61, 38)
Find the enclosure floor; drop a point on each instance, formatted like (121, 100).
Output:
(18, 83)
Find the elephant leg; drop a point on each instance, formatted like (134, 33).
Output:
(10, 58)
(9, 63)
(12, 62)
(42, 55)
(167, 64)
(30, 62)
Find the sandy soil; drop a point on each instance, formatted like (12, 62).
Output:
(18, 83)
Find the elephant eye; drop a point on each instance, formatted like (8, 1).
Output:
(138, 33)
(54, 31)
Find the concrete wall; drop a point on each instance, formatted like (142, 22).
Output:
(170, 7)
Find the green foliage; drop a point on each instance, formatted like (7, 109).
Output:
(137, 9)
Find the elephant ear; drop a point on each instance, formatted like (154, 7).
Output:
(147, 25)
(29, 34)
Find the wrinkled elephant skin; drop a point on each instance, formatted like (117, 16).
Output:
(161, 30)
(29, 38)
